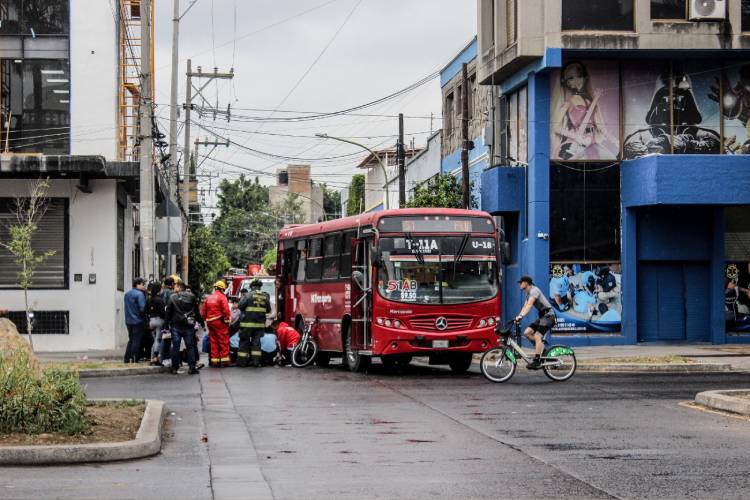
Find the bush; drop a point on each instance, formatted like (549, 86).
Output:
(31, 403)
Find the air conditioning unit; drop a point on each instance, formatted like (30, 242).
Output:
(707, 10)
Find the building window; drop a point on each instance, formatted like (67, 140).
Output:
(51, 236)
(513, 127)
(34, 17)
(668, 9)
(448, 113)
(745, 15)
(585, 212)
(35, 95)
(606, 15)
(44, 322)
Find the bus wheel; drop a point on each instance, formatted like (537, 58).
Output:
(460, 362)
(322, 359)
(355, 361)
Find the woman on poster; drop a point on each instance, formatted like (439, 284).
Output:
(579, 132)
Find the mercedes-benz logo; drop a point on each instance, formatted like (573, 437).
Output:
(441, 323)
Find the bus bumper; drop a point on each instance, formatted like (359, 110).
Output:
(390, 341)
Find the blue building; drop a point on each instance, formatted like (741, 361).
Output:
(619, 164)
(451, 83)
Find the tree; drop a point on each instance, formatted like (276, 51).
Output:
(331, 203)
(207, 258)
(29, 212)
(355, 204)
(246, 234)
(269, 259)
(441, 191)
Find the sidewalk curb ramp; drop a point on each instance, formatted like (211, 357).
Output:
(147, 442)
(726, 400)
(655, 368)
(121, 372)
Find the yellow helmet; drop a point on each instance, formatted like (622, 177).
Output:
(176, 278)
(220, 285)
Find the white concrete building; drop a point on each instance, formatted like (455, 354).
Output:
(64, 100)
(425, 165)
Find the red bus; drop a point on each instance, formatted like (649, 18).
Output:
(393, 284)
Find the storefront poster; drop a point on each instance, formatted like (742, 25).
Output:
(735, 106)
(585, 114)
(670, 109)
(587, 298)
(737, 297)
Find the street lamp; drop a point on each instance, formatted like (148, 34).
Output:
(377, 157)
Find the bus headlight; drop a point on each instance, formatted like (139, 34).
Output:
(380, 321)
(396, 323)
(388, 323)
(491, 321)
(482, 323)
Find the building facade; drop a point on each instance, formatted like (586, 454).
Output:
(425, 165)
(619, 167)
(296, 180)
(60, 93)
(479, 100)
(381, 177)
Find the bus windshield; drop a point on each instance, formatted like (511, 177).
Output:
(437, 269)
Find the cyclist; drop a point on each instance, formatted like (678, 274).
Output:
(546, 320)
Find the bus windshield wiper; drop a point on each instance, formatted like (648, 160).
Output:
(416, 250)
(459, 255)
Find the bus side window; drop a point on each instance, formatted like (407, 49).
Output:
(289, 263)
(345, 267)
(301, 261)
(331, 257)
(315, 259)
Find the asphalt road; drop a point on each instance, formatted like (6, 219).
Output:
(327, 433)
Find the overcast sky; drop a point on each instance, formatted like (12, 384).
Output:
(384, 46)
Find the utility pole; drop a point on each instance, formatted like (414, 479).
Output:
(146, 148)
(172, 162)
(208, 78)
(401, 163)
(465, 137)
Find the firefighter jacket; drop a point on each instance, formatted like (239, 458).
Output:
(254, 307)
(216, 307)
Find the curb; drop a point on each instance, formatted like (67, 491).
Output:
(656, 368)
(147, 442)
(121, 372)
(723, 400)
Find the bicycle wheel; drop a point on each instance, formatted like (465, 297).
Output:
(496, 366)
(565, 363)
(304, 353)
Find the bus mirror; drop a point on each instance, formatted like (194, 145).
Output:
(359, 279)
(375, 255)
(504, 253)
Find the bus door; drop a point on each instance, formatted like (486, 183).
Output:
(361, 299)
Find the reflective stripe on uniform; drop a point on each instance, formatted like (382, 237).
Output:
(224, 359)
(243, 354)
(255, 309)
(214, 318)
(255, 353)
(252, 325)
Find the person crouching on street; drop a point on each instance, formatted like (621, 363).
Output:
(287, 338)
(182, 315)
(216, 312)
(269, 348)
(254, 306)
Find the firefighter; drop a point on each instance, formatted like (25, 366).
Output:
(216, 311)
(254, 306)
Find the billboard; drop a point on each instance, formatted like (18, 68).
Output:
(587, 298)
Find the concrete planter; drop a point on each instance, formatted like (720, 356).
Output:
(726, 400)
(146, 443)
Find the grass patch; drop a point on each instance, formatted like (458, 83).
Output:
(642, 360)
(86, 365)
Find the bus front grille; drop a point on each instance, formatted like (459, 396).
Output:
(428, 323)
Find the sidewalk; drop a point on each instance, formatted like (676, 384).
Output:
(736, 355)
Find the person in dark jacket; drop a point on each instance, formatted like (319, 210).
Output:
(135, 319)
(182, 315)
(254, 306)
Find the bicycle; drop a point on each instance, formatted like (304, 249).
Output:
(304, 353)
(499, 363)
